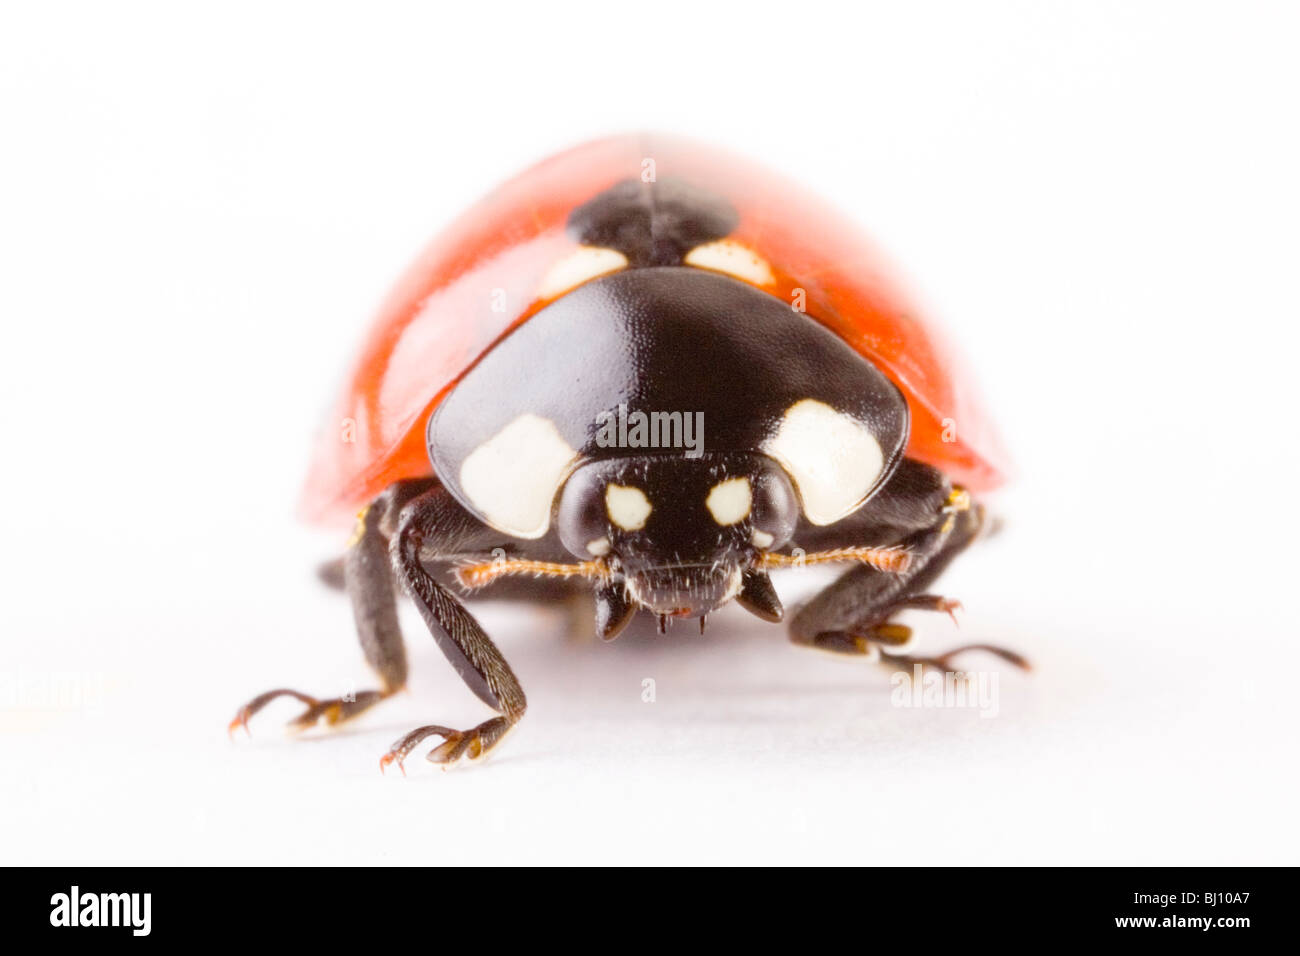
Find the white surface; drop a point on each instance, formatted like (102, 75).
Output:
(201, 211)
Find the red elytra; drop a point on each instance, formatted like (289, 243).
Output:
(447, 311)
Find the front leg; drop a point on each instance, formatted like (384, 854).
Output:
(431, 527)
(921, 512)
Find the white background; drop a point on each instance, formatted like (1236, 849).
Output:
(200, 211)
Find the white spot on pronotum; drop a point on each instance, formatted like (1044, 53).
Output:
(833, 459)
(729, 501)
(627, 507)
(511, 478)
(582, 265)
(598, 547)
(761, 539)
(733, 259)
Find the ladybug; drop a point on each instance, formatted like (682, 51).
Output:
(649, 368)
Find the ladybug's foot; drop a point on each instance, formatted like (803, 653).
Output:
(883, 642)
(866, 644)
(871, 640)
(943, 662)
(474, 743)
(930, 602)
(331, 712)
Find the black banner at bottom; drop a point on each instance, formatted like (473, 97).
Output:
(328, 906)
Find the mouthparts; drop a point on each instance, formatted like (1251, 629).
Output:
(685, 590)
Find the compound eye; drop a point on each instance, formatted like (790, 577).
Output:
(582, 521)
(774, 512)
(594, 510)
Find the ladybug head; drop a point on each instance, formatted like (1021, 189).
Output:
(677, 532)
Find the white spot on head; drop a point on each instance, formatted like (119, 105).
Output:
(761, 539)
(729, 501)
(582, 265)
(598, 546)
(512, 477)
(627, 507)
(833, 459)
(731, 257)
